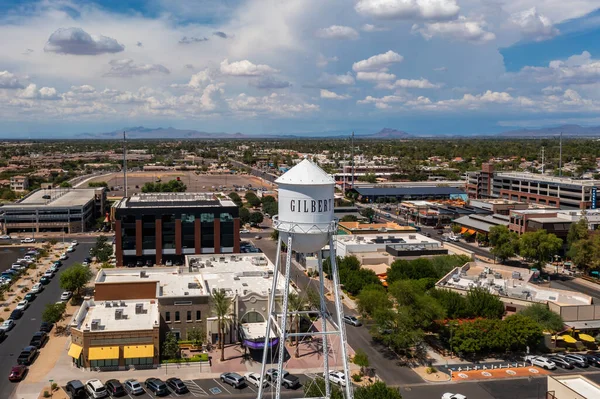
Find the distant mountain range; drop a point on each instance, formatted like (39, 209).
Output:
(566, 130)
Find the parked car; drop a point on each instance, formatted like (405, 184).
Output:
(337, 377)
(233, 379)
(96, 389)
(24, 304)
(63, 256)
(16, 314)
(27, 240)
(27, 355)
(53, 268)
(46, 327)
(48, 273)
(115, 388)
(593, 359)
(7, 325)
(352, 320)
(18, 266)
(39, 339)
(75, 389)
(37, 288)
(17, 373)
(58, 263)
(576, 359)
(30, 296)
(45, 280)
(244, 231)
(254, 379)
(5, 237)
(156, 386)
(177, 386)
(449, 395)
(541, 361)
(71, 249)
(288, 380)
(133, 387)
(74, 243)
(65, 296)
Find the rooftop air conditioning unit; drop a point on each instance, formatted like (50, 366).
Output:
(118, 314)
(123, 303)
(107, 304)
(139, 308)
(115, 304)
(95, 324)
(143, 274)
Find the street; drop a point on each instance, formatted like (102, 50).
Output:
(27, 325)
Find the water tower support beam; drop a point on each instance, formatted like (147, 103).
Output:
(284, 314)
(323, 316)
(340, 311)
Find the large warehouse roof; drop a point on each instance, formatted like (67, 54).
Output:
(404, 191)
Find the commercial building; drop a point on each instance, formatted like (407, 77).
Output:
(373, 228)
(553, 221)
(19, 183)
(571, 387)
(113, 335)
(60, 209)
(162, 228)
(562, 192)
(474, 224)
(399, 194)
(183, 294)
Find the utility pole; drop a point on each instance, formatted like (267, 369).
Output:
(560, 156)
(543, 160)
(124, 165)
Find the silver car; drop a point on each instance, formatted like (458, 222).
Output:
(133, 387)
(352, 320)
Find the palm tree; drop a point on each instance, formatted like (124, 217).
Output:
(221, 304)
(296, 304)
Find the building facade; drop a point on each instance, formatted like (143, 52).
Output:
(561, 192)
(162, 228)
(19, 183)
(44, 210)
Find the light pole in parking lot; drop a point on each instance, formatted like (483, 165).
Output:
(51, 381)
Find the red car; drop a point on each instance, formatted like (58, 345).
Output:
(17, 373)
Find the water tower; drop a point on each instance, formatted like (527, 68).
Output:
(306, 224)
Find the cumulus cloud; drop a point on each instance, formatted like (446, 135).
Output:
(322, 61)
(245, 68)
(9, 81)
(375, 76)
(580, 69)
(269, 82)
(382, 102)
(462, 29)
(31, 92)
(440, 69)
(273, 104)
(337, 32)
(76, 41)
(426, 10)
(192, 40)
(330, 95)
(126, 68)
(534, 25)
(409, 84)
(373, 28)
(222, 35)
(328, 81)
(377, 62)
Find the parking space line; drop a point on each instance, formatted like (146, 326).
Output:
(251, 387)
(219, 384)
(196, 387)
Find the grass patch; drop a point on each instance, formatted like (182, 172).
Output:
(202, 357)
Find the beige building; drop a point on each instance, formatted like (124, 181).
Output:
(571, 387)
(115, 334)
(19, 183)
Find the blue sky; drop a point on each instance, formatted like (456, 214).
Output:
(299, 66)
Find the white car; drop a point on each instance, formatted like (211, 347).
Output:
(63, 256)
(17, 266)
(53, 268)
(37, 288)
(5, 237)
(244, 231)
(49, 274)
(541, 361)
(254, 379)
(74, 243)
(449, 395)
(7, 325)
(24, 304)
(65, 296)
(337, 377)
(27, 240)
(71, 249)
(96, 389)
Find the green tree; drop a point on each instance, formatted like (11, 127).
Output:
(75, 278)
(546, 319)
(252, 199)
(244, 215)
(373, 298)
(197, 336)
(539, 246)
(369, 213)
(456, 228)
(221, 304)
(236, 199)
(361, 359)
(65, 184)
(316, 389)
(256, 218)
(270, 207)
(578, 231)
(475, 337)
(53, 312)
(296, 304)
(504, 242)
(349, 218)
(453, 303)
(377, 390)
(518, 331)
(170, 347)
(481, 303)
(102, 250)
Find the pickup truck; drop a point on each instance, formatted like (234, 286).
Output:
(288, 380)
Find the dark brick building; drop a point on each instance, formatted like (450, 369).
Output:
(161, 228)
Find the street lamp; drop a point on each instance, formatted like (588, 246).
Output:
(51, 381)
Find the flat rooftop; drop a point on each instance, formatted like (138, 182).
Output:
(509, 282)
(357, 226)
(116, 315)
(167, 200)
(580, 385)
(56, 197)
(545, 178)
(385, 239)
(172, 281)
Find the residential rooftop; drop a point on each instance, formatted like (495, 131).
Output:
(56, 197)
(104, 316)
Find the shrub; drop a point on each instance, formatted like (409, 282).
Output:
(202, 357)
(1, 319)
(33, 266)
(46, 394)
(356, 377)
(431, 370)
(54, 386)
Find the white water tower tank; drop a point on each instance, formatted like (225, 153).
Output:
(306, 204)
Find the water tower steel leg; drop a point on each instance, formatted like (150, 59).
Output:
(340, 314)
(270, 315)
(323, 315)
(284, 314)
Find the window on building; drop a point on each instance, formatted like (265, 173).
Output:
(104, 363)
(139, 361)
(177, 316)
(198, 315)
(189, 315)
(167, 316)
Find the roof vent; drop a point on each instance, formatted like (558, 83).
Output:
(143, 274)
(95, 324)
(139, 308)
(107, 304)
(118, 314)
(115, 304)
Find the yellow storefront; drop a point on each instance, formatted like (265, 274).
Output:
(138, 355)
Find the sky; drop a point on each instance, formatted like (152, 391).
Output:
(430, 67)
